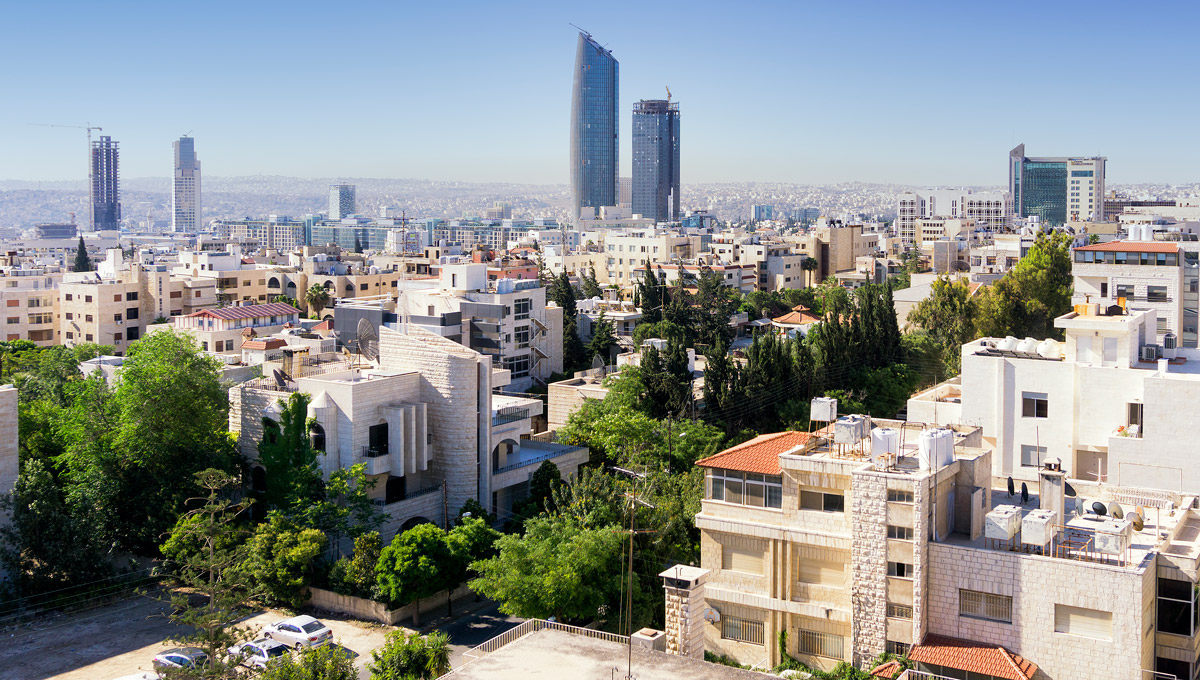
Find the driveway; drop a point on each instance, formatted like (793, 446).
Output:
(474, 628)
(121, 639)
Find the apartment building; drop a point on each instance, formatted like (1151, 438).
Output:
(990, 210)
(29, 298)
(630, 250)
(741, 277)
(835, 246)
(1163, 276)
(113, 305)
(507, 319)
(276, 232)
(825, 539)
(777, 263)
(424, 422)
(224, 330)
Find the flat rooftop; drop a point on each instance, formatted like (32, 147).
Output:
(555, 654)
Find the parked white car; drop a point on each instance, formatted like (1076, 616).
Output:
(259, 652)
(181, 657)
(299, 631)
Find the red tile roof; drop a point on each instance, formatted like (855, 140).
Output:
(974, 657)
(759, 455)
(796, 319)
(886, 670)
(1131, 247)
(265, 343)
(326, 325)
(248, 312)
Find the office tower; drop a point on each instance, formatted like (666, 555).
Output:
(1056, 189)
(341, 201)
(185, 197)
(656, 159)
(625, 192)
(759, 213)
(595, 127)
(500, 210)
(106, 190)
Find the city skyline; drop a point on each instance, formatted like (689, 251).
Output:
(829, 103)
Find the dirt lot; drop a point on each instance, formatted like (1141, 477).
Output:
(120, 639)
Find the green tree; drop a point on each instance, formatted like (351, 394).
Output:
(283, 299)
(1093, 239)
(47, 545)
(476, 511)
(411, 657)
(345, 508)
(603, 340)
(557, 568)
(562, 293)
(293, 474)
(279, 558)
(809, 265)
(575, 354)
(83, 263)
(327, 662)
(214, 573)
(361, 570)
(1026, 300)
(416, 565)
(130, 455)
(948, 316)
(589, 286)
(317, 298)
(468, 542)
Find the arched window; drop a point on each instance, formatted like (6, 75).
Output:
(271, 430)
(328, 284)
(349, 287)
(316, 435)
(273, 283)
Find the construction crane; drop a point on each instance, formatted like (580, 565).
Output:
(668, 94)
(89, 127)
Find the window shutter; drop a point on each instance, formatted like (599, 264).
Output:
(830, 574)
(741, 559)
(1090, 623)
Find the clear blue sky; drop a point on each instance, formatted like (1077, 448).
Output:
(916, 93)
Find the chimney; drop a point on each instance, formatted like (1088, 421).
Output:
(1051, 493)
(686, 611)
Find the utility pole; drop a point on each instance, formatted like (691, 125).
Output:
(634, 502)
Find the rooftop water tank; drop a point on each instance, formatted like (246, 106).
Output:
(850, 429)
(1008, 344)
(1049, 349)
(823, 410)
(884, 440)
(1027, 345)
(936, 448)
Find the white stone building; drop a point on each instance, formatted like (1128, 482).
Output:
(425, 422)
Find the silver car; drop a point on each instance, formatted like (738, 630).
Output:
(181, 657)
(299, 631)
(259, 652)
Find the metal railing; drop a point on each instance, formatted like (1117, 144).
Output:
(374, 451)
(534, 460)
(408, 496)
(533, 626)
(914, 674)
(509, 414)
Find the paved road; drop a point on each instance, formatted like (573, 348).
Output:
(474, 629)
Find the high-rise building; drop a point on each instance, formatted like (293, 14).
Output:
(106, 189)
(1056, 189)
(656, 159)
(625, 192)
(185, 197)
(595, 128)
(988, 209)
(341, 201)
(759, 213)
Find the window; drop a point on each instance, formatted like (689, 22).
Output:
(518, 366)
(1034, 405)
(132, 334)
(733, 486)
(521, 309)
(1135, 412)
(87, 318)
(176, 294)
(900, 569)
(68, 297)
(117, 318)
(1124, 290)
(14, 319)
(87, 298)
(87, 338)
(522, 335)
(899, 611)
(117, 297)
(1032, 456)
(131, 313)
(70, 335)
(897, 648)
(741, 630)
(899, 496)
(1090, 623)
(1156, 293)
(825, 502)
(976, 605)
(12, 303)
(1104, 289)
(819, 644)
(1177, 611)
(901, 533)
(745, 560)
(116, 338)
(815, 572)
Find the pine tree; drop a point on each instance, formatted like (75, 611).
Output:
(83, 263)
(590, 287)
(603, 339)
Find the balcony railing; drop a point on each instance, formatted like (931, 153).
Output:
(509, 414)
(408, 496)
(533, 626)
(374, 451)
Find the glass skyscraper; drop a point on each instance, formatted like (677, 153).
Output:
(595, 127)
(1056, 189)
(185, 195)
(656, 159)
(106, 189)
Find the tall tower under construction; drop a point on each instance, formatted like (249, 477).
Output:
(106, 196)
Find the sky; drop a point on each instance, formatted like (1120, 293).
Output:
(825, 92)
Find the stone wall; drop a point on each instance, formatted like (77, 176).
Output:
(1036, 584)
(370, 610)
(868, 565)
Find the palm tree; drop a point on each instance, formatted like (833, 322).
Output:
(317, 297)
(437, 650)
(809, 264)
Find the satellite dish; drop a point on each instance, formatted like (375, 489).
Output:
(712, 615)
(1070, 490)
(1116, 510)
(1099, 508)
(1024, 493)
(279, 379)
(1011, 488)
(1138, 522)
(368, 340)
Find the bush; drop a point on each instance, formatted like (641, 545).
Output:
(411, 657)
(328, 662)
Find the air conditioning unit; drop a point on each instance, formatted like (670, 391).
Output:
(1170, 345)
(1149, 353)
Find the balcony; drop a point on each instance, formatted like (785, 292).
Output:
(509, 414)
